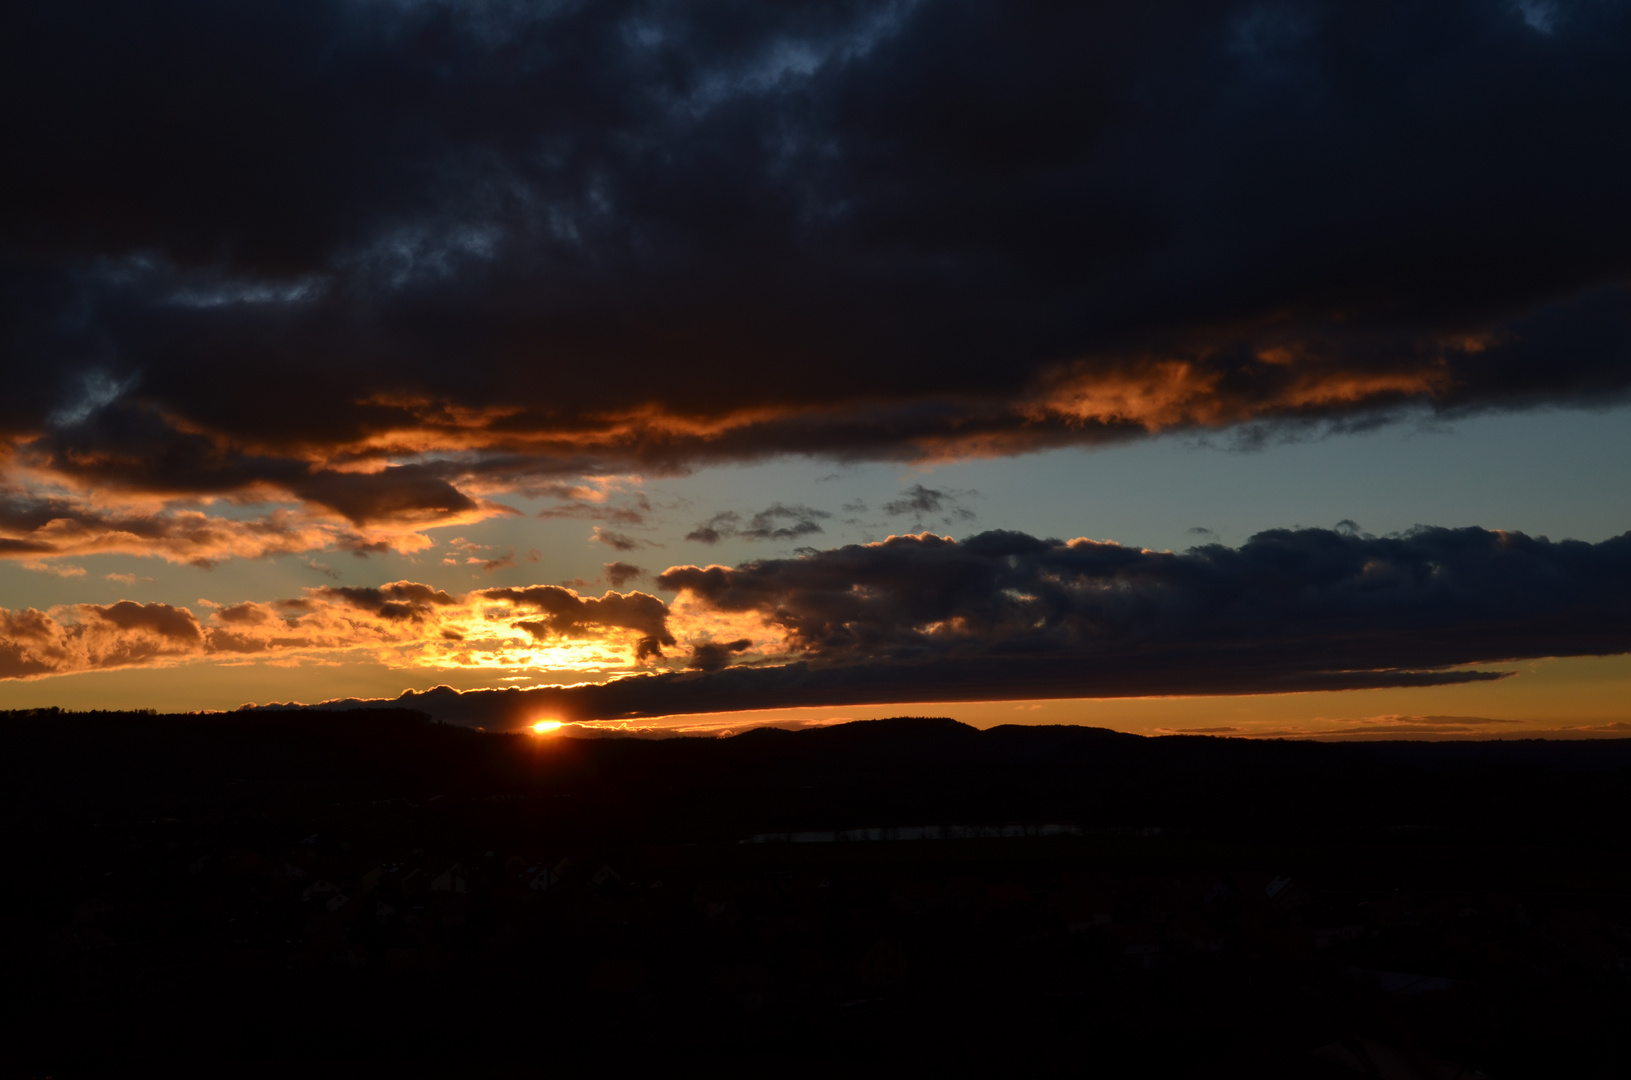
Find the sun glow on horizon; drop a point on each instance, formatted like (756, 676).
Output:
(546, 727)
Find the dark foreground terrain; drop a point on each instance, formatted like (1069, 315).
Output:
(371, 894)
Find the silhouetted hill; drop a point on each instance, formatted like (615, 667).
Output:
(63, 768)
(371, 893)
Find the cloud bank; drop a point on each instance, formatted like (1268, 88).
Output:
(1006, 615)
(386, 261)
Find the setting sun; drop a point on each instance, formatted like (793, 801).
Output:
(544, 727)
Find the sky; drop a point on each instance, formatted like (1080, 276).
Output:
(1236, 368)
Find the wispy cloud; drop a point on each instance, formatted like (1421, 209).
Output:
(778, 521)
(54, 569)
(619, 541)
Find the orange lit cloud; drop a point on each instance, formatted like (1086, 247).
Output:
(1239, 382)
(96, 522)
(76, 528)
(403, 625)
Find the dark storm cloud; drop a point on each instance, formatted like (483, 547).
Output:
(618, 541)
(1004, 615)
(618, 573)
(396, 492)
(399, 600)
(249, 246)
(1301, 600)
(716, 655)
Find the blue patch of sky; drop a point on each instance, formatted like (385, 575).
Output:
(1561, 473)
(1555, 473)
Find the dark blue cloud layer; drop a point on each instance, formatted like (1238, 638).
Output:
(246, 238)
(1006, 615)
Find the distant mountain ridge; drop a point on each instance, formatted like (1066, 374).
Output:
(59, 768)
